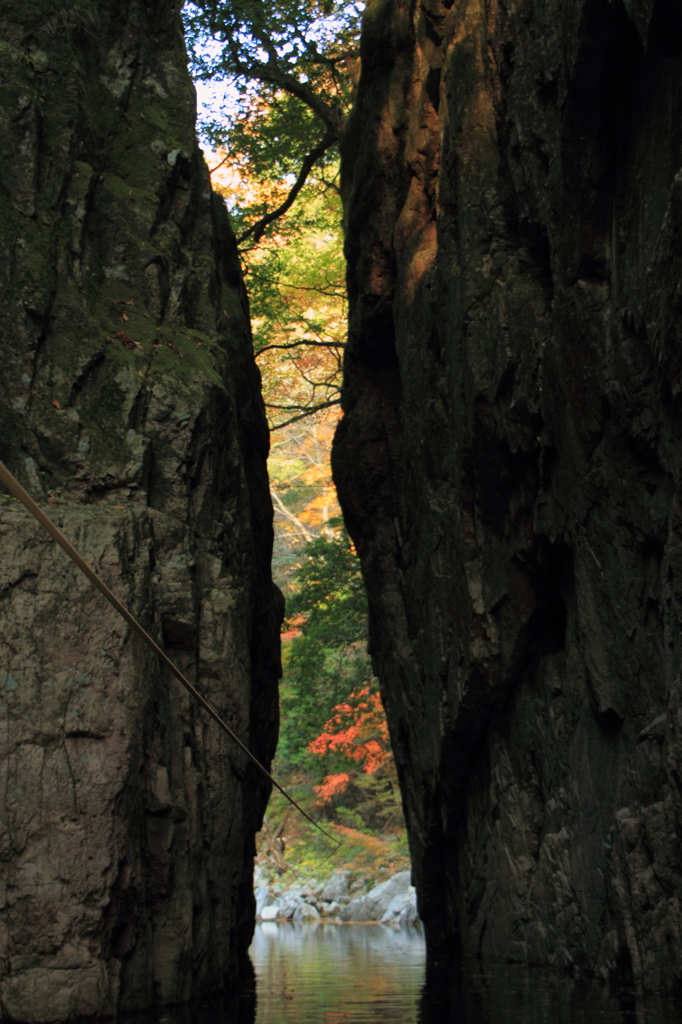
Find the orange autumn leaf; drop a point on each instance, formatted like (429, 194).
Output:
(358, 730)
(332, 786)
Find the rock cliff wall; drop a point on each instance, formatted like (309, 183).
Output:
(131, 402)
(509, 464)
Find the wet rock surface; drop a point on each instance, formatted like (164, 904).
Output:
(130, 400)
(509, 466)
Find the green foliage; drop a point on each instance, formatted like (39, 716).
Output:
(329, 659)
(270, 135)
(297, 281)
(365, 852)
(301, 48)
(289, 71)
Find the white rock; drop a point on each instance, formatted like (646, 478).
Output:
(260, 876)
(269, 913)
(336, 887)
(374, 905)
(290, 901)
(305, 914)
(263, 898)
(402, 910)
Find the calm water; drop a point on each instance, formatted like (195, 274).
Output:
(366, 974)
(337, 973)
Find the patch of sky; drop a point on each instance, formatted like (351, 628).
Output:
(221, 95)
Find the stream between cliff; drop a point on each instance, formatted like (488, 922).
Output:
(368, 973)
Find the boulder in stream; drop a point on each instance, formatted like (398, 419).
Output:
(402, 910)
(306, 913)
(375, 903)
(337, 886)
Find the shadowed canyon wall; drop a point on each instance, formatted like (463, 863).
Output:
(509, 464)
(130, 401)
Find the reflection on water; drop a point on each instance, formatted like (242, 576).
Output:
(365, 974)
(488, 992)
(329, 974)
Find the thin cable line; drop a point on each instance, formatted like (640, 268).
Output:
(18, 491)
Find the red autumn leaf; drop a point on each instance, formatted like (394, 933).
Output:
(357, 730)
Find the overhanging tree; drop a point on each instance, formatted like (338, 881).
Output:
(289, 70)
(293, 66)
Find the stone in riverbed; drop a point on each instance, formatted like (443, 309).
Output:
(306, 913)
(336, 886)
(328, 909)
(375, 903)
(270, 913)
(402, 910)
(290, 901)
(263, 897)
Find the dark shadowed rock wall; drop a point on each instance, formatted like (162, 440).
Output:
(509, 464)
(128, 395)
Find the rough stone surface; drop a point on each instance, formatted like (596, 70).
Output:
(509, 464)
(129, 396)
(376, 902)
(402, 910)
(336, 887)
(306, 913)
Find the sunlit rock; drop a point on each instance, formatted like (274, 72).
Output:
(509, 465)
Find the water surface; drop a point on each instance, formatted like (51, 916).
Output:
(366, 974)
(329, 974)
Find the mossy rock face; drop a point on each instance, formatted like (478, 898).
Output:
(110, 280)
(129, 400)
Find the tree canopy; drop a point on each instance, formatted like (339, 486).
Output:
(292, 67)
(288, 72)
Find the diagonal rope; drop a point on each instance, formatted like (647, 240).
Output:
(18, 491)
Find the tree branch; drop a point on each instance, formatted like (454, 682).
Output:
(311, 159)
(272, 74)
(303, 415)
(302, 344)
(212, 170)
(281, 507)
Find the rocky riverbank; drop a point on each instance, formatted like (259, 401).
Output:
(338, 900)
